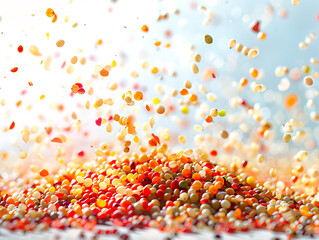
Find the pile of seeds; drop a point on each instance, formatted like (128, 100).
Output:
(191, 165)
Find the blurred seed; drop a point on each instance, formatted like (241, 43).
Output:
(208, 39)
(231, 43)
(197, 57)
(60, 43)
(195, 68)
(308, 81)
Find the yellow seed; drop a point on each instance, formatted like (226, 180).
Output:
(197, 57)
(273, 172)
(253, 53)
(156, 101)
(287, 138)
(23, 154)
(101, 203)
(188, 84)
(239, 47)
(231, 43)
(260, 158)
(295, 2)
(195, 68)
(214, 112)
(88, 182)
(245, 51)
(182, 139)
(35, 51)
(251, 180)
(74, 59)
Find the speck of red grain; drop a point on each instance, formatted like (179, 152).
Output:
(12, 125)
(14, 69)
(98, 121)
(81, 154)
(213, 153)
(56, 140)
(43, 172)
(20, 49)
(255, 26)
(81, 91)
(48, 130)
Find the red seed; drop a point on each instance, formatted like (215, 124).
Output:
(81, 91)
(56, 140)
(213, 153)
(20, 49)
(14, 69)
(43, 173)
(255, 26)
(147, 191)
(12, 125)
(81, 154)
(98, 121)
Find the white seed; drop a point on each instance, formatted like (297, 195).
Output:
(211, 97)
(198, 128)
(253, 53)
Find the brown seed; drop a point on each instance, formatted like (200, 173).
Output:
(308, 81)
(208, 39)
(160, 109)
(224, 134)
